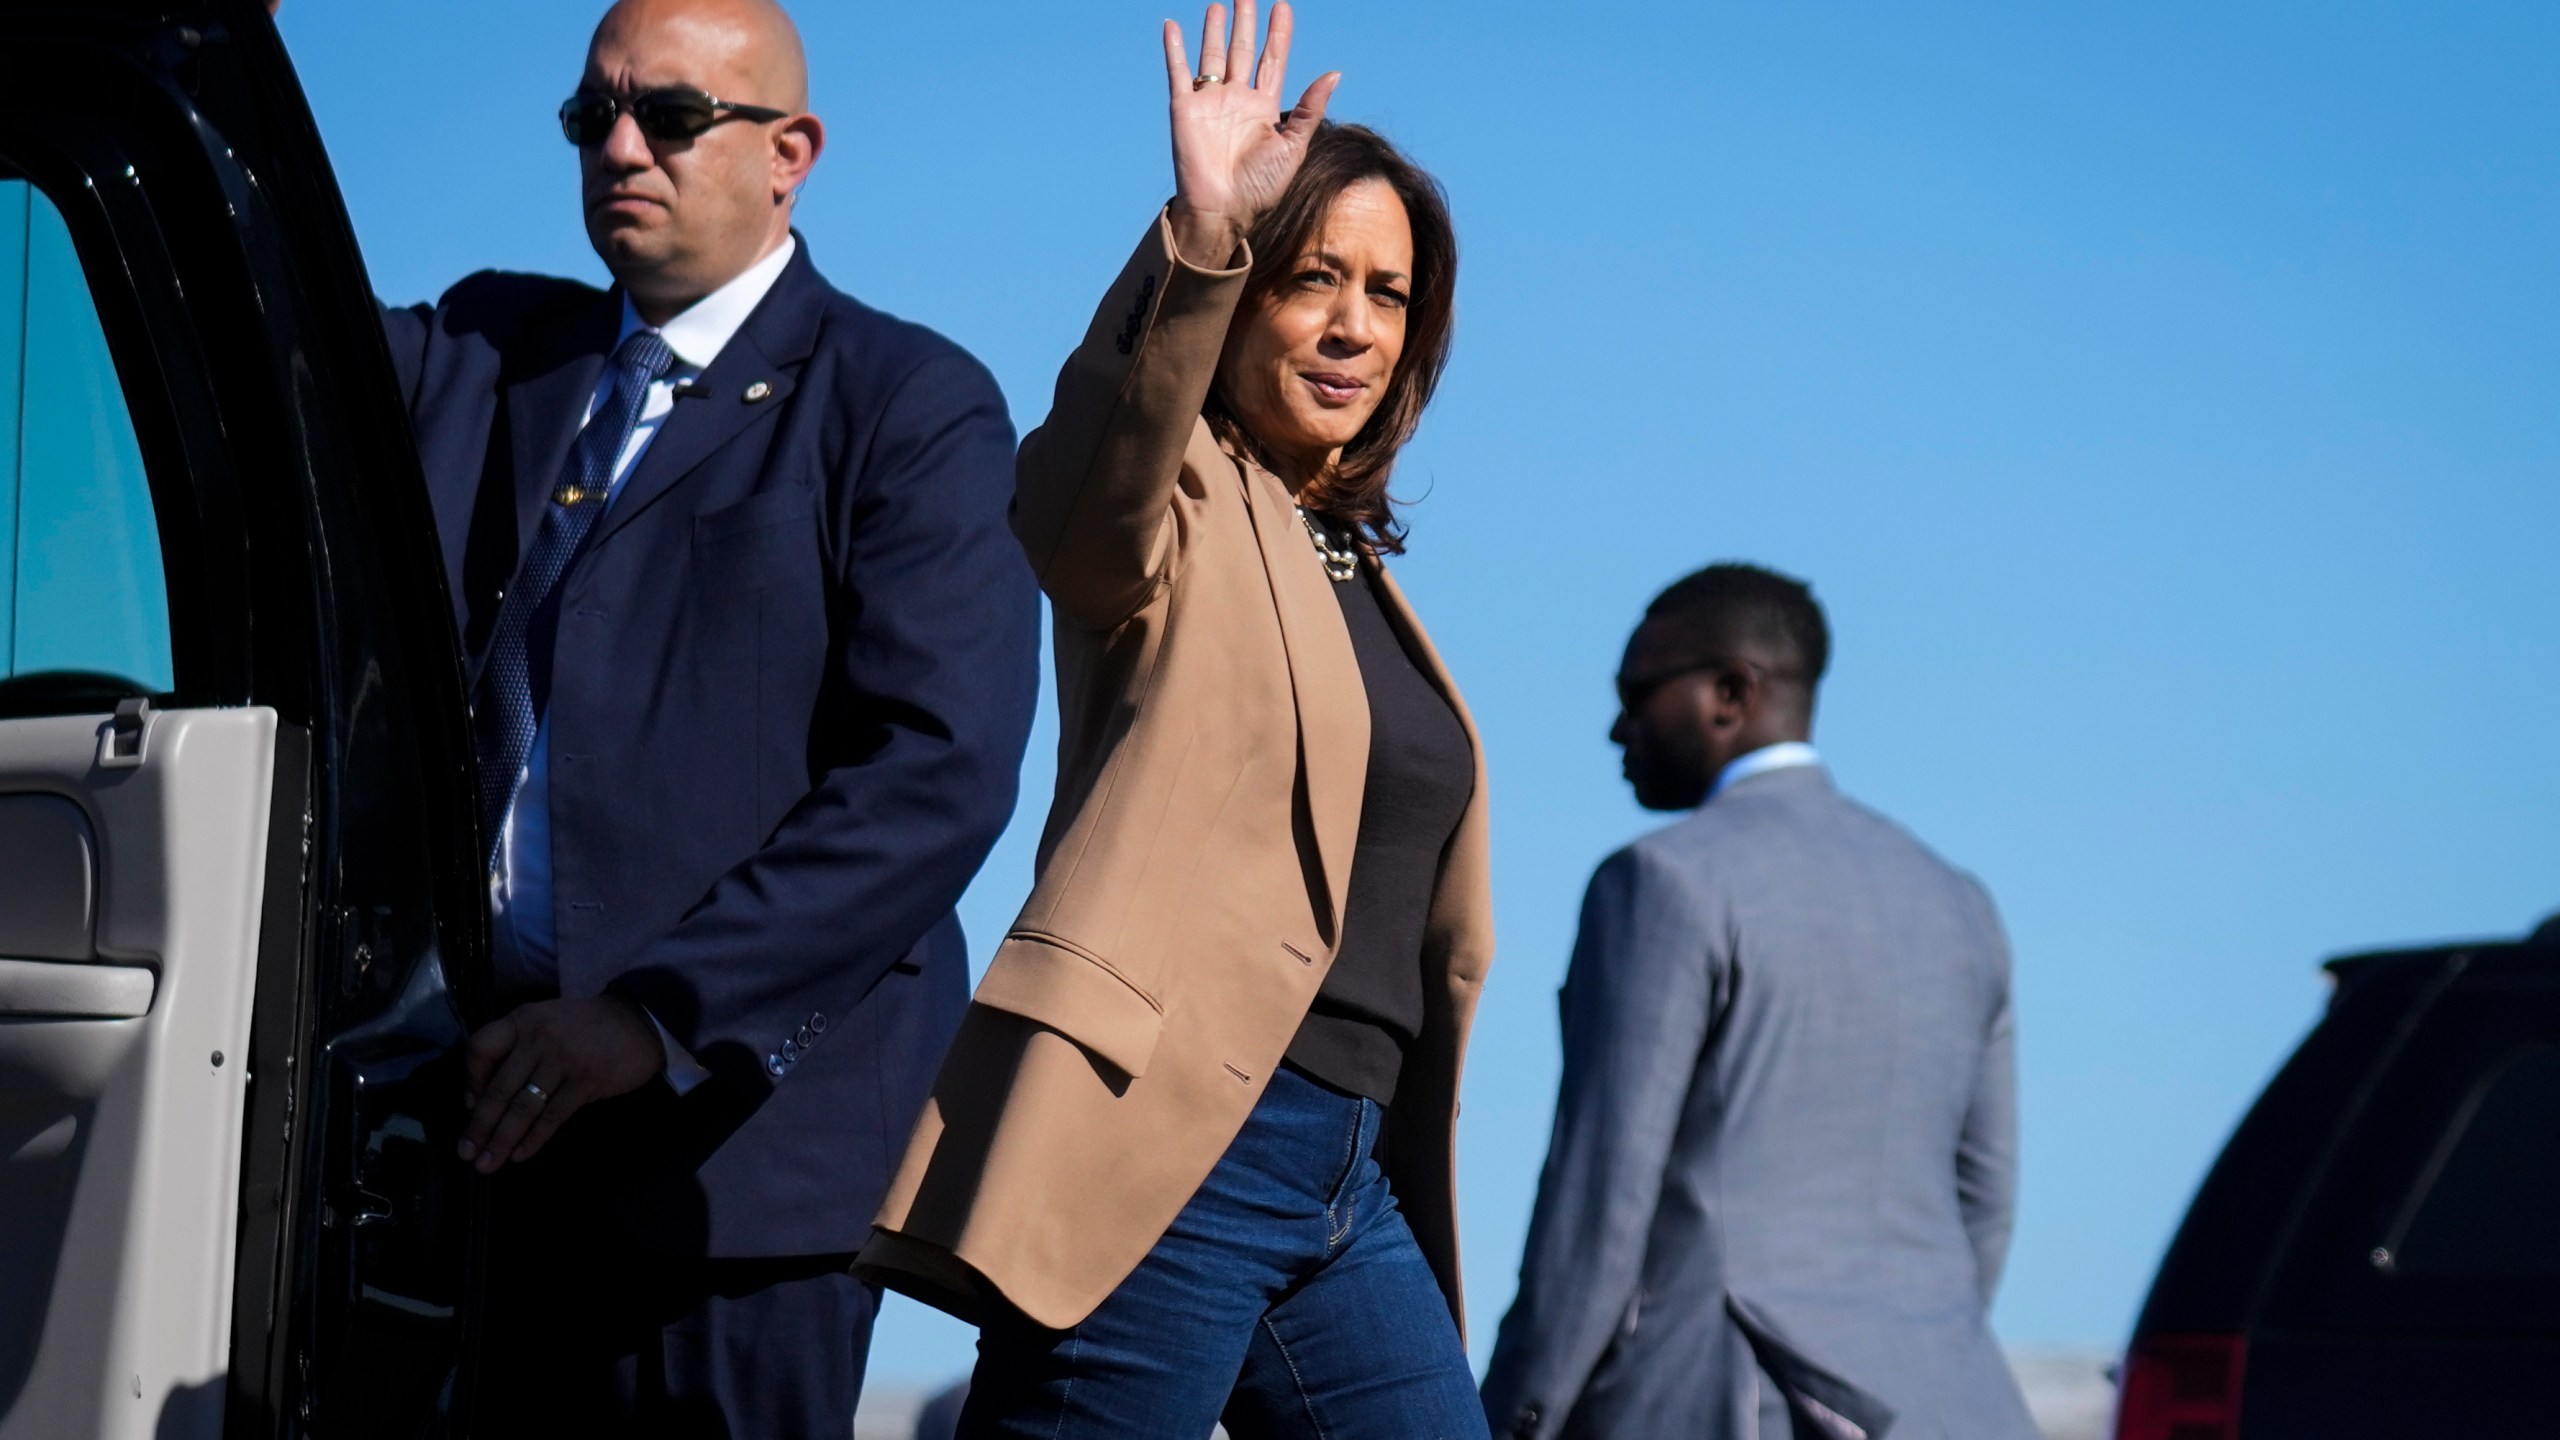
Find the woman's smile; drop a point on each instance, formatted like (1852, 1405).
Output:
(1333, 388)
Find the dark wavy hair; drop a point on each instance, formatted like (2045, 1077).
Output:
(1353, 494)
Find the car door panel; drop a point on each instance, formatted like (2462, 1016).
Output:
(128, 1127)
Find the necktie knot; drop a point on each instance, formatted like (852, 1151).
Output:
(643, 356)
(637, 362)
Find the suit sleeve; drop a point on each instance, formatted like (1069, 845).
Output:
(1094, 485)
(1640, 1000)
(1987, 1148)
(936, 644)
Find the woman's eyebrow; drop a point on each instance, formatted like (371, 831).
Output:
(1329, 259)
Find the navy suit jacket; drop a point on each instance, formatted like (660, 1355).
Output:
(796, 667)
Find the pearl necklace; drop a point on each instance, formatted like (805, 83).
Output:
(1341, 557)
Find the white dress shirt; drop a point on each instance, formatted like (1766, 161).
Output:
(1785, 755)
(522, 927)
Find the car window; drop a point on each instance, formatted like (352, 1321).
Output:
(2490, 1209)
(81, 584)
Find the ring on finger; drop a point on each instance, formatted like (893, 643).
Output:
(537, 1092)
(1204, 79)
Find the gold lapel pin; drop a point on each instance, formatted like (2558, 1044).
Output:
(758, 391)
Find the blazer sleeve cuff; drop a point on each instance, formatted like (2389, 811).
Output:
(1182, 264)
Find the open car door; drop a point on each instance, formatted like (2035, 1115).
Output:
(240, 920)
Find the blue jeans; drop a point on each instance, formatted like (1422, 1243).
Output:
(1288, 1298)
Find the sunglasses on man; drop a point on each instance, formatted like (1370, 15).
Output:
(675, 112)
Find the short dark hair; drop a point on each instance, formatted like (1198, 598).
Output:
(1731, 601)
(1354, 493)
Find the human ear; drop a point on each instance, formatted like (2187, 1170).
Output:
(1734, 690)
(796, 146)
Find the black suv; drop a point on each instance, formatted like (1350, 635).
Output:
(2377, 1252)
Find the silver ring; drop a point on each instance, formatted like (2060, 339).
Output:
(536, 1091)
(1204, 80)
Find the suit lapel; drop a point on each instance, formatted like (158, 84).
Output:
(545, 409)
(1324, 677)
(747, 382)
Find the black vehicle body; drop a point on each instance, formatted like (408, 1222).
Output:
(301, 577)
(2377, 1251)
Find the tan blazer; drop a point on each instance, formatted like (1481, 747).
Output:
(1213, 751)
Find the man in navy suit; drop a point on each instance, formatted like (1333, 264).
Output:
(753, 659)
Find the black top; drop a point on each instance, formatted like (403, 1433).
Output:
(1421, 776)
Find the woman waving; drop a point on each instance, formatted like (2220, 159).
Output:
(1191, 1154)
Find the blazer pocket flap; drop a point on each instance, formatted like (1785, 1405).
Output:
(1821, 1400)
(1044, 980)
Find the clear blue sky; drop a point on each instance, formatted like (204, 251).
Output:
(2161, 398)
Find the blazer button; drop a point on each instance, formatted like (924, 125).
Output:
(803, 1037)
(817, 1024)
(773, 1066)
(791, 1052)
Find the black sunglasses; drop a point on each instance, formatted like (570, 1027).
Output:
(678, 112)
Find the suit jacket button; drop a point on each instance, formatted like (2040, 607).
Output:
(773, 1066)
(803, 1037)
(817, 1024)
(790, 1051)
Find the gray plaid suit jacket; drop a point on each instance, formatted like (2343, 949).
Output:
(1780, 1184)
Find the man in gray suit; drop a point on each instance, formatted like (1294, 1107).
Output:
(1785, 1150)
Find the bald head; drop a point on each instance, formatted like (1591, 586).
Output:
(676, 216)
(750, 46)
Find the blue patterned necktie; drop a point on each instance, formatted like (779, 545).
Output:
(515, 685)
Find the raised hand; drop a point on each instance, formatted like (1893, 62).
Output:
(1233, 152)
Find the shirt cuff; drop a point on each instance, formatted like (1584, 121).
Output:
(683, 1071)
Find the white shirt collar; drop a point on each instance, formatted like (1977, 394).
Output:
(705, 328)
(1785, 755)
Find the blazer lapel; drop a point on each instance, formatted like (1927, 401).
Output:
(1324, 678)
(747, 382)
(545, 409)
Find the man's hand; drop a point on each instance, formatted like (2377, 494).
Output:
(533, 1069)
